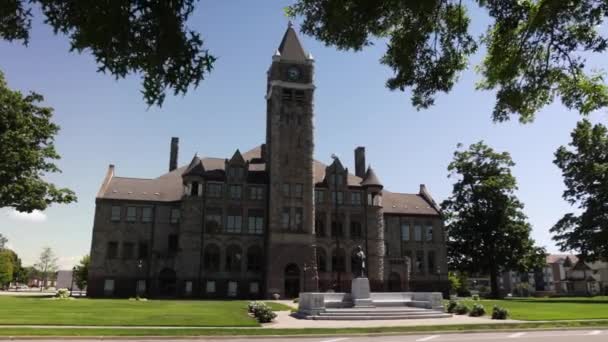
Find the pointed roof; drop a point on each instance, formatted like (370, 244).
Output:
(195, 167)
(237, 158)
(371, 179)
(290, 48)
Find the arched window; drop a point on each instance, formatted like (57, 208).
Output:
(234, 255)
(320, 225)
(254, 258)
(321, 260)
(338, 260)
(211, 258)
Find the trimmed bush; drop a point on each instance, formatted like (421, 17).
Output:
(461, 309)
(477, 310)
(252, 307)
(450, 306)
(62, 294)
(263, 313)
(499, 313)
(475, 297)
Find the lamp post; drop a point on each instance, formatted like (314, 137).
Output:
(140, 264)
(72, 282)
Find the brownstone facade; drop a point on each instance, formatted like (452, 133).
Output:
(269, 221)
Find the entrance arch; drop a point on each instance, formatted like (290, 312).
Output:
(292, 281)
(167, 282)
(394, 282)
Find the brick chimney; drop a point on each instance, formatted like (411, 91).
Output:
(173, 156)
(360, 161)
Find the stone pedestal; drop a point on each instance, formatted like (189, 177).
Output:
(360, 293)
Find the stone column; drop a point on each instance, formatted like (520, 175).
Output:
(375, 226)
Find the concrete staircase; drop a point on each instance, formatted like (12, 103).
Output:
(378, 313)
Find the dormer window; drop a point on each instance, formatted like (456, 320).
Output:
(338, 179)
(235, 172)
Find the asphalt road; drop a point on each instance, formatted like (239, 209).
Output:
(532, 336)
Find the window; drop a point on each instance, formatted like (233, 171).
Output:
(298, 191)
(256, 193)
(173, 243)
(233, 224)
(286, 94)
(419, 263)
(336, 229)
(115, 213)
(286, 218)
(337, 197)
(418, 233)
(338, 179)
(235, 172)
(211, 258)
(431, 262)
(319, 196)
(232, 288)
(235, 191)
(214, 190)
(298, 219)
(321, 260)
(256, 222)
(146, 214)
(254, 259)
(233, 258)
(254, 287)
(194, 189)
(355, 230)
(140, 287)
(210, 286)
(299, 94)
(338, 261)
(213, 221)
(131, 214)
(188, 289)
(429, 233)
(405, 232)
(320, 225)
(128, 250)
(286, 190)
(355, 198)
(175, 215)
(112, 252)
(142, 252)
(108, 287)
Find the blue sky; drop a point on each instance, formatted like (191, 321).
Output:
(105, 121)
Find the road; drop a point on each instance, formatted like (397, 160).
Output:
(530, 336)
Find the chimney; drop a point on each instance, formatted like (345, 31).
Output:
(173, 156)
(360, 161)
(264, 152)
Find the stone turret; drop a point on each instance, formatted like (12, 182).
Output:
(375, 223)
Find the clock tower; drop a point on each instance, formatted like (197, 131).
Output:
(290, 144)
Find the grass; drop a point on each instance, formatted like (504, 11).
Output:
(550, 309)
(104, 312)
(98, 332)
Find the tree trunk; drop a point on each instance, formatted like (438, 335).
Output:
(495, 292)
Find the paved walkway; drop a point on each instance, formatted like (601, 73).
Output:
(285, 320)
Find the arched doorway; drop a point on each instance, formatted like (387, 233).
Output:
(167, 281)
(394, 282)
(292, 281)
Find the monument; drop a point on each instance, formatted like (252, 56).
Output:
(360, 291)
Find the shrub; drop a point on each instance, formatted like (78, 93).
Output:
(262, 312)
(252, 307)
(62, 293)
(461, 309)
(499, 313)
(451, 306)
(463, 293)
(297, 300)
(477, 310)
(475, 297)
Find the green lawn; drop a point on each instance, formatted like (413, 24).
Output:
(104, 312)
(550, 309)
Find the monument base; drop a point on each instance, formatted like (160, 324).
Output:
(360, 293)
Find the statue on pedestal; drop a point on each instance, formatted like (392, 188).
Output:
(360, 270)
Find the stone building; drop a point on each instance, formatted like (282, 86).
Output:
(269, 220)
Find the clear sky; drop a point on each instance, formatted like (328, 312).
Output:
(105, 121)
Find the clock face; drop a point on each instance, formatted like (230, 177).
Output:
(293, 73)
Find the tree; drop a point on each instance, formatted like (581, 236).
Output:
(46, 265)
(585, 170)
(535, 50)
(143, 37)
(3, 241)
(6, 268)
(487, 229)
(81, 272)
(27, 152)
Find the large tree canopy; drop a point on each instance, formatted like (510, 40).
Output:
(585, 169)
(27, 152)
(148, 37)
(487, 229)
(535, 48)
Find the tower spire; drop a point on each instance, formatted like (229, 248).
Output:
(290, 48)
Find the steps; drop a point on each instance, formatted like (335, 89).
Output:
(384, 313)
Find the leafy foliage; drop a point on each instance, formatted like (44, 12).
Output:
(62, 294)
(477, 310)
(461, 309)
(499, 312)
(487, 229)
(262, 312)
(451, 306)
(585, 170)
(6, 268)
(125, 37)
(3, 241)
(81, 272)
(47, 264)
(27, 152)
(535, 49)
